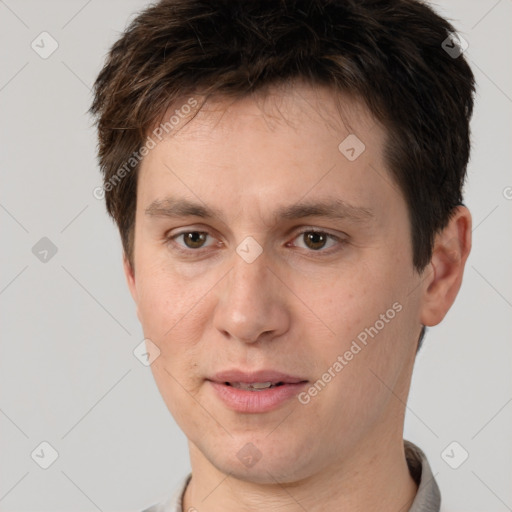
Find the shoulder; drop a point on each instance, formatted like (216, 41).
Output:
(174, 503)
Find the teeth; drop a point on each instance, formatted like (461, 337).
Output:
(252, 386)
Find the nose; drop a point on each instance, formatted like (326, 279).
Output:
(251, 303)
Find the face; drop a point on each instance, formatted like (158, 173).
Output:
(262, 245)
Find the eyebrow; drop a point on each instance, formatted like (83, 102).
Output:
(330, 208)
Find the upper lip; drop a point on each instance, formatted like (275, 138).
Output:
(256, 376)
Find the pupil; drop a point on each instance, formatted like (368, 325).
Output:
(316, 239)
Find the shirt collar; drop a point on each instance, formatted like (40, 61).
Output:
(428, 497)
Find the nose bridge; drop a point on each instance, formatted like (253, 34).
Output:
(249, 289)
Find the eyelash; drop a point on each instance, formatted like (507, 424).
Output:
(170, 241)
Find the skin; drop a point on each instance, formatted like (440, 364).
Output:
(295, 308)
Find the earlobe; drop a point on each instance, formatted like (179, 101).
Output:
(451, 250)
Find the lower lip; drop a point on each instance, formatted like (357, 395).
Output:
(241, 400)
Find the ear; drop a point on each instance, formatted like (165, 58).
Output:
(446, 268)
(130, 279)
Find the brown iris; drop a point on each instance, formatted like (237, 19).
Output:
(194, 239)
(317, 240)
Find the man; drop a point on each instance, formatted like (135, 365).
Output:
(286, 178)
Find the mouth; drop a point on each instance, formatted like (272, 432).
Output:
(255, 392)
(256, 380)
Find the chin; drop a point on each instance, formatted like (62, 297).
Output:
(263, 461)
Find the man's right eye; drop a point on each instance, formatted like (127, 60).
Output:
(188, 241)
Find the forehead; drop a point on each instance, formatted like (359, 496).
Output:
(280, 108)
(257, 151)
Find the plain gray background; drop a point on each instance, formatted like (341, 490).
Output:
(68, 375)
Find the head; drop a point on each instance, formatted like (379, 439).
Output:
(287, 182)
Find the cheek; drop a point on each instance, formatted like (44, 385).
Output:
(178, 390)
(173, 316)
(372, 317)
(172, 309)
(349, 302)
(162, 292)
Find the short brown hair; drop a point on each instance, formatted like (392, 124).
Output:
(389, 53)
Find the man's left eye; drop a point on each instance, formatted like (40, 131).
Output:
(317, 240)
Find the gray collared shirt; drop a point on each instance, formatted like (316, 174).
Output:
(428, 497)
